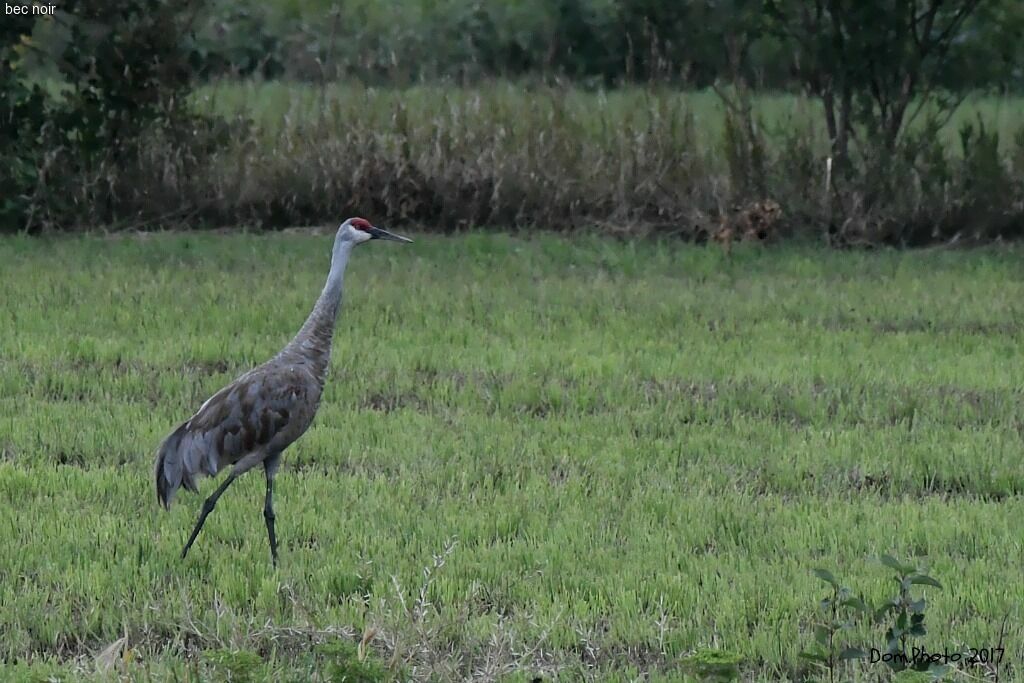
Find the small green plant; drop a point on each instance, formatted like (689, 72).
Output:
(908, 676)
(903, 615)
(342, 663)
(234, 666)
(839, 609)
(907, 614)
(713, 666)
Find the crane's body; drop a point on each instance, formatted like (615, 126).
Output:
(256, 417)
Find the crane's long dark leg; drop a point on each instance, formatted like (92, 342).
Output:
(208, 506)
(270, 468)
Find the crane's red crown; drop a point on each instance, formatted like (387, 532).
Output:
(360, 224)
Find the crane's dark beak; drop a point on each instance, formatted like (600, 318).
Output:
(379, 234)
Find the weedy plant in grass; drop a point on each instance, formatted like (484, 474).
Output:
(909, 676)
(710, 665)
(343, 662)
(840, 609)
(236, 666)
(630, 162)
(907, 618)
(903, 615)
(416, 638)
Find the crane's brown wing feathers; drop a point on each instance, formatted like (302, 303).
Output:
(265, 409)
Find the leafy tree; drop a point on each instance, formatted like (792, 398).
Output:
(875, 64)
(22, 109)
(112, 68)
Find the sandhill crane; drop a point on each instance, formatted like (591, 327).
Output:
(252, 420)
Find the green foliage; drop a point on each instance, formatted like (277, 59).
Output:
(744, 146)
(906, 616)
(233, 666)
(903, 615)
(876, 66)
(590, 41)
(986, 175)
(120, 67)
(124, 64)
(37, 672)
(118, 143)
(870, 61)
(236, 39)
(23, 114)
(839, 610)
(408, 40)
(629, 160)
(908, 676)
(713, 666)
(342, 663)
(1017, 155)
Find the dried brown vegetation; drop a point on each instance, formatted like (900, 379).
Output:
(758, 222)
(639, 162)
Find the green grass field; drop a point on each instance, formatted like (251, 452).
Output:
(629, 450)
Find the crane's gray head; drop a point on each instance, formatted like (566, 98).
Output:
(360, 230)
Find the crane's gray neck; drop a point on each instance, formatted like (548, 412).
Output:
(312, 344)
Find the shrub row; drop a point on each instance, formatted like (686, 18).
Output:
(556, 158)
(589, 41)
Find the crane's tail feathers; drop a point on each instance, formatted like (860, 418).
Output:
(178, 463)
(168, 467)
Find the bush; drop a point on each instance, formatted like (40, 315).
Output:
(23, 110)
(712, 666)
(630, 161)
(113, 70)
(588, 41)
(233, 666)
(341, 662)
